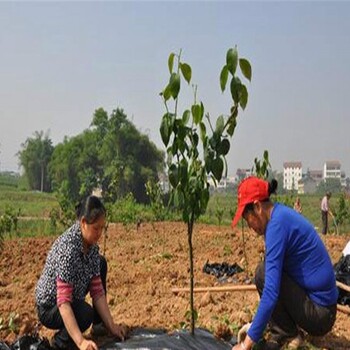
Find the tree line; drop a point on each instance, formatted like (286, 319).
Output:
(112, 155)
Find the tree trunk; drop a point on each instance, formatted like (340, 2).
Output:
(189, 232)
(42, 178)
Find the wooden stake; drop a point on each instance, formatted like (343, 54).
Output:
(250, 287)
(233, 288)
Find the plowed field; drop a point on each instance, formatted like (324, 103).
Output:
(144, 265)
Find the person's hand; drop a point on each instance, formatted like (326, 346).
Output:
(242, 333)
(119, 331)
(88, 345)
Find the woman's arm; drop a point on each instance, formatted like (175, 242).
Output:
(102, 308)
(73, 330)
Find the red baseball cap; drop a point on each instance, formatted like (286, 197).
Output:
(250, 190)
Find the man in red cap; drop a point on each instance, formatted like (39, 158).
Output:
(296, 281)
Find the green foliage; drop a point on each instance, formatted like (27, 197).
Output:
(182, 133)
(112, 155)
(329, 185)
(32, 204)
(9, 221)
(9, 179)
(219, 213)
(342, 211)
(187, 171)
(261, 167)
(34, 157)
(127, 211)
(156, 195)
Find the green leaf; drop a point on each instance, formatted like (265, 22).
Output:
(232, 126)
(174, 85)
(171, 62)
(196, 112)
(214, 140)
(186, 71)
(166, 93)
(220, 124)
(173, 175)
(203, 131)
(202, 110)
(224, 147)
(217, 168)
(186, 116)
(232, 60)
(246, 68)
(195, 139)
(184, 172)
(223, 78)
(166, 127)
(244, 97)
(179, 198)
(236, 87)
(204, 199)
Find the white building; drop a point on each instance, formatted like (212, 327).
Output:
(331, 170)
(292, 173)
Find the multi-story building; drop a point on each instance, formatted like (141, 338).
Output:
(292, 173)
(331, 170)
(316, 175)
(242, 174)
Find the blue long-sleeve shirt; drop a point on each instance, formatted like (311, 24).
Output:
(293, 247)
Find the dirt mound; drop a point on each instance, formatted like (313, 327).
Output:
(144, 266)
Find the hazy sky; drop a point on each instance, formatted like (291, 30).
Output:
(61, 61)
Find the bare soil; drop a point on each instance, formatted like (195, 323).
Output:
(144, 265)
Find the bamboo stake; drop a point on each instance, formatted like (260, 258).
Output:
(234, 288)
(237, 288)
(250, 287)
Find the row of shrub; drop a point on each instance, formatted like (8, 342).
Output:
(221, 207)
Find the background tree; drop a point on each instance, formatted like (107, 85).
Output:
(329, 185)
(112, 155)
(34, 157)
(183, 132)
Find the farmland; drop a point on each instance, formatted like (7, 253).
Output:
(144, 265)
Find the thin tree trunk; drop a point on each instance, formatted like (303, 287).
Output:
(190, 231)
(42, 178)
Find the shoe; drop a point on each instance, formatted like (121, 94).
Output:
(295, 343)
(99, 330)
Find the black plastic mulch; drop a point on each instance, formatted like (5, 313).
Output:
(145, 339)
(141, 339)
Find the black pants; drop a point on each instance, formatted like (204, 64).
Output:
(84, 314)
(294, 309)
(324, 215)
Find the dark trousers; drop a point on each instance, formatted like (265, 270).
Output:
(324, 215)
(84, 314)
(294, 309)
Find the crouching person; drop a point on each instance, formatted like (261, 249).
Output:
(296, 281)
(74, 268)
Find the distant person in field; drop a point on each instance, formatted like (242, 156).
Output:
(325, 211)
(296, 281)
(73, 268)
(297, 205)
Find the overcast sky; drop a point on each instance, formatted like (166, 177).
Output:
(61, 61)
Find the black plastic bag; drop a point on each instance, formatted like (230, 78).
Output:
(221, 269)
(342, 274)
